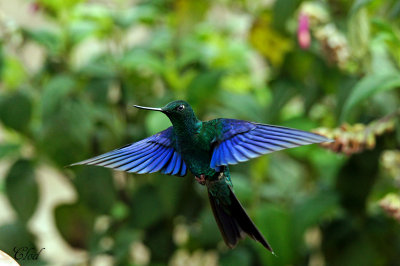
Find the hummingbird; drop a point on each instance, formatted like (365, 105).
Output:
(207, 149)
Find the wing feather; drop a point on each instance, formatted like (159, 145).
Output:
(155, 153)
(240, 140)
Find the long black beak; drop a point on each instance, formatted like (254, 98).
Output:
(148, 108)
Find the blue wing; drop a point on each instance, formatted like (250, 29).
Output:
(239, 140)
(155, 153)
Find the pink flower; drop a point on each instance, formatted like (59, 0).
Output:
(303, 32)
(34, 7)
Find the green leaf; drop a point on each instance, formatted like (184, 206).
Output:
(169, 189)
(207, 233)
(93, 11)
(358, 33)
(367, 87)
(357, 5)
(16, 111)
(283, 92)
(2, 60)
(67, 121)
(101, 67)
(381, 62)
(13, 72)
(96, 188)
(237, 83)
(81, 30)
(142, 60)
(156, 122)
(286, 178)
(147, 208)
(313, 211)
(48, 39)
(119, 211)
(15, 235)
(7, 149)
(124, 237)
(242, 187)
(56, 90)
(58, 7)
(98, 91)
(282, 11)
(239, 106)
(237, 257)
(75, 223)
(203, 86)
(327, 165)
(160, 243)
(275, 223)
(22, 189)
(143, 13)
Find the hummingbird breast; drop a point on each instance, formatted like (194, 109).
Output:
(196, 151)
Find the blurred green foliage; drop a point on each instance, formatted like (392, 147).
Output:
(234, 59)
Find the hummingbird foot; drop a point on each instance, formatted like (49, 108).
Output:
(201, 179)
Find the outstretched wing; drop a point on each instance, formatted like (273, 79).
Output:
(155, 153)
(239, 140)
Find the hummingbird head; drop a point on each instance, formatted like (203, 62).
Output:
(179, 112)
(177, 109)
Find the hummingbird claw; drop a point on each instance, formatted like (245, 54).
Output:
(201, 179)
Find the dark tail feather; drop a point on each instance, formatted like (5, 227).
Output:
(235, 225)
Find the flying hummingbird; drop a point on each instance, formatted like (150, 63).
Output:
(206, 149)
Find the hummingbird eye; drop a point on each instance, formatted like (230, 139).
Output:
(180, 107)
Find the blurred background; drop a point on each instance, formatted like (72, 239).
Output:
(70, 70)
